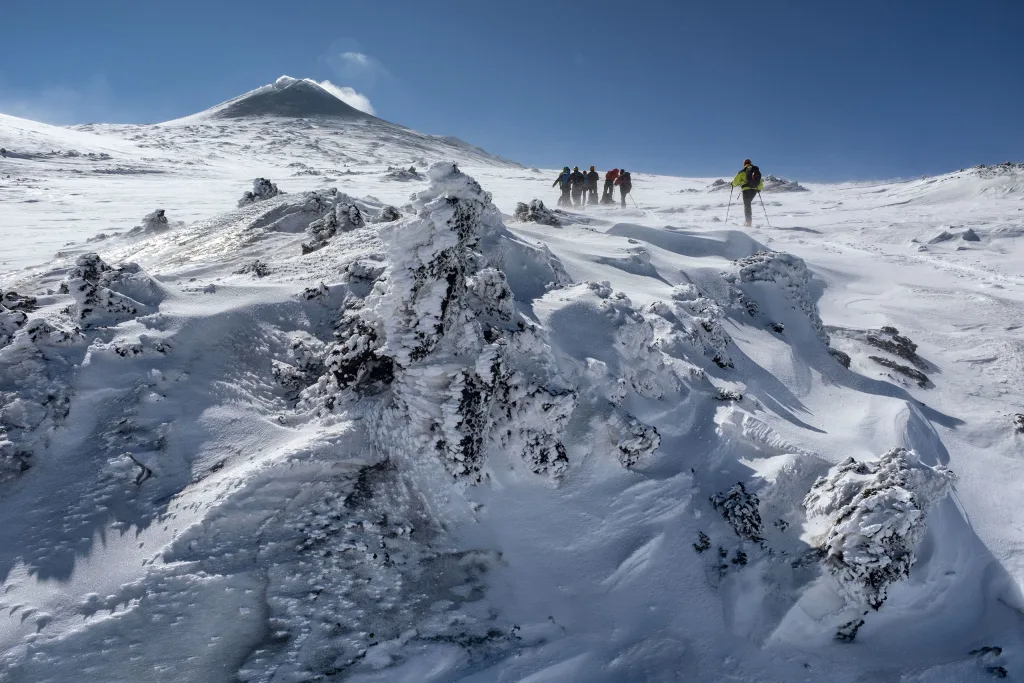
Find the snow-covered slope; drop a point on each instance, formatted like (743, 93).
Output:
(292, 131)
(365, 425)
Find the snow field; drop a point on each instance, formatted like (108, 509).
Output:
(364, 435)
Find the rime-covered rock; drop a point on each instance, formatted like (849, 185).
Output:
(636, 440)
(773, 183)
(869, 517)
(536, 212)
(368, 269)
(153, 223)
(107, 295)
(261, 189)
(343, 217)
(11, 320)
(354, 359)
(257, 268)
(387, 214)
(790, 275)
(402, 174)
(467, 365)
(740, 508)
(693, 322)
(13, 301)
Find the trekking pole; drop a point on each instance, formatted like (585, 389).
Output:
(731, 190)
(764, 209)
(634, 201)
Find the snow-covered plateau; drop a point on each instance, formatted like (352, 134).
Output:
(305, 395)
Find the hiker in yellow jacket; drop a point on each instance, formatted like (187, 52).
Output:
(750, 180)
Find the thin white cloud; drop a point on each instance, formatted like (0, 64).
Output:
(357, 59)
(352, 65)
(349, 96)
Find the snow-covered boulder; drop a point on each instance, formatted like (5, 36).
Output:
(536, 212)
(106, 295)
(343, 218)
(868, 518)
(773, 183)
(469, 374)
(261, 189)
(402, 174)
(759, 279)
(154, 223)
(387, 214)
(13, 308)
(692, 321)
(740, 508)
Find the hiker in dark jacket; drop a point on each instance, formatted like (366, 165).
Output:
(578, 180)
(625, 184)
(564, 181)
(609, 186)
(592, 179)
(749, 178)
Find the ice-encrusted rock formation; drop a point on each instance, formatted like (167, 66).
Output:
(788, 273)
(868, 518)
(467, 372)
(693, 321)
(106, 295)
(153, 223)
(13, 314)
(402, 174)
(454, 333)
(740, 508)
(773, 183)
(536, 212)
(344, 216)
(261, 189)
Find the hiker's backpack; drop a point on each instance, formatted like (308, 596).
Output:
(625, 180)
(753, 178)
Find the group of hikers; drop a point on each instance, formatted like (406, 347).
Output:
(580, 189)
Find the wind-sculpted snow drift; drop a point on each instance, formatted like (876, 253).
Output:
(402, 444)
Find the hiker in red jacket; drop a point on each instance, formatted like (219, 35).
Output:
(609, 186)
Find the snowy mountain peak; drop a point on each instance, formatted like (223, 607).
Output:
(286, 97)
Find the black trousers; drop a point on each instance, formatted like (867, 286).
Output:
(624, 190)
(609, 191)
(748, 210)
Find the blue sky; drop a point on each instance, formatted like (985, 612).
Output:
(810, 89)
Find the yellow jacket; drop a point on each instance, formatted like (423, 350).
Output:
(741, 178)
